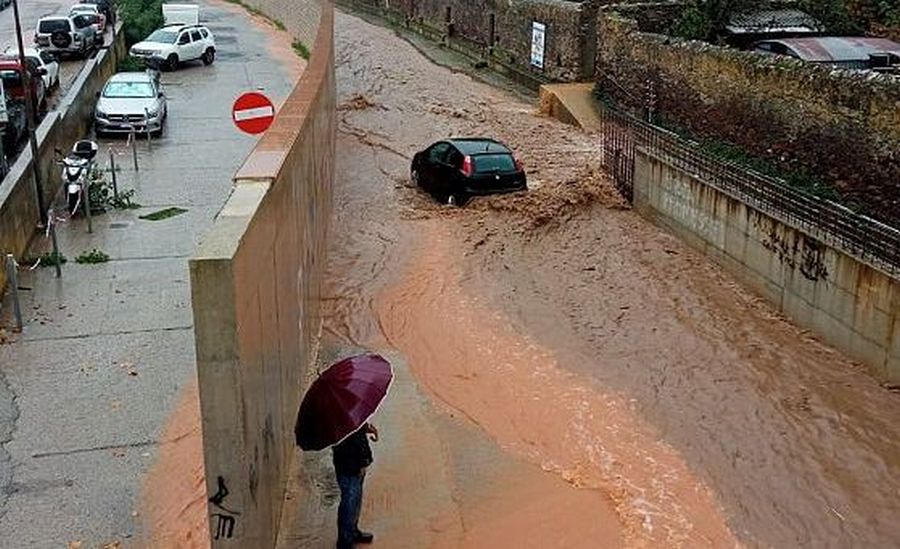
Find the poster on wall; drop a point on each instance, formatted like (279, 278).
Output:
(538, 32)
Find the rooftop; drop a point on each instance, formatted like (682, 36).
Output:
(773, 21)
(833, 49)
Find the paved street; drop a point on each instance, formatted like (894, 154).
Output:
(108, 349)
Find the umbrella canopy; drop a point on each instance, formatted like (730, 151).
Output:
(341, 400)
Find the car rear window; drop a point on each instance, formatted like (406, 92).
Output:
(50, 26)
(494, 163)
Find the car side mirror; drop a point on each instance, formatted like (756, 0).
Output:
(160, 95)
(97, 95)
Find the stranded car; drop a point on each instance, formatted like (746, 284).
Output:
(456, 169)
(130, 101)
(39, 59)
(74, 35)
(175, 44)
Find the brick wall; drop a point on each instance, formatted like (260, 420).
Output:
(843, 127)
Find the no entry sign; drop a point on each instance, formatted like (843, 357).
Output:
(253, 112)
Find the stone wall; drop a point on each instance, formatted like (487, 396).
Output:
(255, 284)
(61, 127)
(847, 302)
(569, 39)
(842, 127)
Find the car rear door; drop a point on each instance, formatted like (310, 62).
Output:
(196, 44)
(432, 167)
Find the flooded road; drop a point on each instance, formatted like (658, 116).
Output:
(586, 342)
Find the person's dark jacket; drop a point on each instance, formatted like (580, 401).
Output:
(352, 454)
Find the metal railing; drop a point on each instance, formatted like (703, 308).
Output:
(858, 235)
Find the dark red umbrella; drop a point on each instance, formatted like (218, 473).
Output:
(341, 400)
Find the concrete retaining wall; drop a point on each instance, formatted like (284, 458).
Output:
(255, 284)
(848, 303)
(70, 121)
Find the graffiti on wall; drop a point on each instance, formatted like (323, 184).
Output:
(224, 519)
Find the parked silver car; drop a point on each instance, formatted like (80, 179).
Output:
(130, 101)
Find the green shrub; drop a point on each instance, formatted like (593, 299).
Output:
(141, 17)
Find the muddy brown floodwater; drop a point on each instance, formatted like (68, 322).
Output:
(587, 342)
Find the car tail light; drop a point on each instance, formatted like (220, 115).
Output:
(467, 166)
(519, 166)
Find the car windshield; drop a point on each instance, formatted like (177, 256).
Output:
(163, 37)
(50, 26)
(124, 90)
(494, 163)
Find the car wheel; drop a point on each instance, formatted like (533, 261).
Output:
(457, 200)
(208, 56)
(172, 62)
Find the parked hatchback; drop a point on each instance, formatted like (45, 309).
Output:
(73, 35)
(456, 169)
(130, 101)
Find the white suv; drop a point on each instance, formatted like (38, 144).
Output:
(174, 44)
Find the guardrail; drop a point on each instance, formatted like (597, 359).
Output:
(857, 235)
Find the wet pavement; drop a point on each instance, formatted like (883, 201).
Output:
(555, 332)
(107, 351)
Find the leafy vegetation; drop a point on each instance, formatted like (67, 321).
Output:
(163, 214)
(141, 17)
(301, 49)
(92, 257)
(706, 19)
(47, 259)
(104, 198)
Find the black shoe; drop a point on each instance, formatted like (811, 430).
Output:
(363, 537)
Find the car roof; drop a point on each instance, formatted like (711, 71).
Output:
(182, 26)
(478, 145)
(130, 77)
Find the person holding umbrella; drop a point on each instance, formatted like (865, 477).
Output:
(351, 457)
(335, 412)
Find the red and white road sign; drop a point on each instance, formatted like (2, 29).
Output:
(253, 112)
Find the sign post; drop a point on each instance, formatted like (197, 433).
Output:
(538, 37)
(253, 113)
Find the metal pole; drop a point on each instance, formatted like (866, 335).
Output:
(87, 199)
(4, 165)
(31, 116)
(51, 221)
(12, 278)
(134, 148)
(112, 167)
(147, 129)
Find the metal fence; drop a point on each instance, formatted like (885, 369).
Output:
(860, 236)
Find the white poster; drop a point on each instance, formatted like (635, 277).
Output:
(538, 32)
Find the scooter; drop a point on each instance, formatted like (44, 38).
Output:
(76, 172)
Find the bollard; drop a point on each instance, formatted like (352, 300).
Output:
(12, 276)
(87, 201)
(112, 167)
(133, 138)
(147, 129)
(51, 226)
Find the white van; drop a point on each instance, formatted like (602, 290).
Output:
(181, 14)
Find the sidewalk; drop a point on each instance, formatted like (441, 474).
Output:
(107, 349)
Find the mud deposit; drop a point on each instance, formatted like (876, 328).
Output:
(586, 343)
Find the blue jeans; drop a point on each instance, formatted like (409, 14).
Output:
(348, 511)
